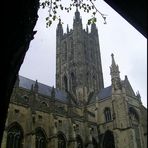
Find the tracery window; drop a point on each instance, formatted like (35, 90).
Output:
(40, 138)
(107, 114)
(61, 141)
(65, 50)
(15, 137)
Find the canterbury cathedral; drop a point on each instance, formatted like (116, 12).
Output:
(79, 112)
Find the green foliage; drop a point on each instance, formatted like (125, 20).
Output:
(87, 6)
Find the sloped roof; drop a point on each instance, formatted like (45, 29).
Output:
(42, 88)
(102, 94)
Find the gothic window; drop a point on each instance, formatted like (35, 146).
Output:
(107, 114)
(65, 50)
(73, 82)
(79, 142)
(71, 47)
(40, 140)
(15, 136)
(65, 83)
(61, 140)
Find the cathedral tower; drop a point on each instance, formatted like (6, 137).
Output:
(78, 60)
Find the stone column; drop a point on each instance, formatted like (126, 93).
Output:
(32, 145)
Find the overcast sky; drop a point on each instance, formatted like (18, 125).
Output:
(117, 36)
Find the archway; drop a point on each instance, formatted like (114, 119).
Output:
(14, 136)
(94, 142)
(41, 141)
(61, 140)
(108, 140)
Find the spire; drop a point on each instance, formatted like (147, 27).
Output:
(67, 28)
(36, 86)
(113, 60)
(77, 19)
(114, 69)
(77, 15)
(53, 92)
(115, 75)
(138, 95)
(59, 30)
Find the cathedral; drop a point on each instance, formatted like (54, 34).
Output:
(80, 112)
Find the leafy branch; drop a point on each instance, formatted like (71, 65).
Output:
(87, 6)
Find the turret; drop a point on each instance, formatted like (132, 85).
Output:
(36, 87)
(77, 20)
(59, 30)
(94, 29)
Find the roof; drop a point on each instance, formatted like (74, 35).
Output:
(42, 88)
(102, 94)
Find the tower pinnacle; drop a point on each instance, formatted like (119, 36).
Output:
(114, 69)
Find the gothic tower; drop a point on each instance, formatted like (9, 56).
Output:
(78, 60)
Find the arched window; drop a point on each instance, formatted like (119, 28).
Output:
(107, 114)
(95, 145)
(65, 50)
(61, 140)
(79, 142)
(108, 140)
(40, 141)
(15, 136)
(73, 82)
(65, 83)
(71, 48)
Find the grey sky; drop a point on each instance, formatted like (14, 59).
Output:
(117, 36)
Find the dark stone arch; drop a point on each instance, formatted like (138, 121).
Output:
(94, 142)
(61, 140)
(15, 136)
(41, 138)
(108, 140)
(79, 141)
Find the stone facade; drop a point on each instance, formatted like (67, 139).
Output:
(79, 112)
